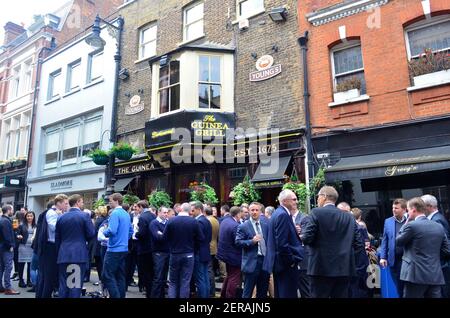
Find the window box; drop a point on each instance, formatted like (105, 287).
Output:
(435, 78)
(7, 165)
(347, 95)
(18, 163)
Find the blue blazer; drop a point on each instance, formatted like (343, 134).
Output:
(202, 247)
(440, 218)
(387, 249)
(227, 250)
(284, 248)
(145, 244)
(73, 230)
(244, 235)
(7, 236)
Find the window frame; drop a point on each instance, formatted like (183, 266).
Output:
(91, 56)
(16, 81)
(210, 83)
(250, 15)
(69, 78)
(51, 84)
(186, 26)
(169, 87)
(141, 40)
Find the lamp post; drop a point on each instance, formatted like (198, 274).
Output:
(96, 41)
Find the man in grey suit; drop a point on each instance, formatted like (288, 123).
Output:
(424, 241)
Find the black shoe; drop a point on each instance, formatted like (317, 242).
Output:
(29, 284)
(15, 276)
(133, 284)
(22, 284)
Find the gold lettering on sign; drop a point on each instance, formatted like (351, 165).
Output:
(157, 134)
(396, 170)
(209, 127)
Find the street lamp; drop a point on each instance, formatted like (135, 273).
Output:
(96, 41)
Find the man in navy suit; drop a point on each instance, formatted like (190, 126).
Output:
(202, 255)
(251, 237)
(424, 242)
(284, 249)
(433, 214)
(334, 240)
(73, 231)
(160, 250)
(390, 253)
(304, 282)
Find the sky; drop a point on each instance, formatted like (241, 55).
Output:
(22, 11)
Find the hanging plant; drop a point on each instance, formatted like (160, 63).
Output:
(245, 192)
(159, 199)
(203, 192)
(123, 151)
(130, 199)
(301, 191)
(98, 203)
(99, 157)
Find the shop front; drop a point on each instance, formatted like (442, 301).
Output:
(12, 184)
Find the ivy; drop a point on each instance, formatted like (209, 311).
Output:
(99, 202)
(159, 199)
(130, 199)
(245, 192)
(204, 193)
(301, 191)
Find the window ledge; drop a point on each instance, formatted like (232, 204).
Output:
(256, 13)
(73, 91)
(144, 59)
(419, 87)
(52, 100)
(97, 81)
(350, 101)
(192, 40)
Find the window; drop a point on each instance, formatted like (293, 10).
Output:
(27, 76)
(193, 22)
(73, 75)
(248, 8)
(54, 85)
(15, 81)
(434, 36)
(95, 66)
(147, 41)
(68, 143)
(169, 87)
(348, 63)
(209, 88)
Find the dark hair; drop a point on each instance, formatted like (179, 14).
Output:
(198, 205)
(73, 199)
(126, 207)
(400, 201)
(6, 208)
(117, 197)
(235, 210)
(208, 210)
(143, 204)
(225, 207)
(33, 224)
(50, 204)
(418, 204)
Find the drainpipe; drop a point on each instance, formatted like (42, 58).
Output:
(303, 41)
(33, 112)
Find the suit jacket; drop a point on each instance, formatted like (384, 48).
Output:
(41, 234)
(284, 248)
(440, 218)
(303, 219)
(227, 250)
(334, 239)
(7, 236)
(424, 242)
(143, 235)
(202, 247)
(387, 249)
(244, 235)
(215, 234)
(73, 231)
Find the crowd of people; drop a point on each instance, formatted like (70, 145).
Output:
(255, 251)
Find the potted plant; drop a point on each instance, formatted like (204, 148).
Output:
(159, 199)
(245, 192)
(98, 203)
(347, 89)
(430, 68)
(99, 156)
(130, 199)
(301, 191)
(123, 151)
(203, 192)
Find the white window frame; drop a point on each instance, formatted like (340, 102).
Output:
(169, 87)
(91, 57)
(51, 94)
(421, 25)
(69, 76)
(186, 26)
(28, 75)
(56, 130)
(143, 44)
(16, 81)
(251, 14)
(342, 47)
(200, 54)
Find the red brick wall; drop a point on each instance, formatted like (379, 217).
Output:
(385, 67)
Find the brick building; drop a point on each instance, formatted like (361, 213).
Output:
(20, 58)
(390, 138)
(189, 65)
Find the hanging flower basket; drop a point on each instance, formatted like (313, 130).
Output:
(124, 154)
(123, 151)
(99, 157)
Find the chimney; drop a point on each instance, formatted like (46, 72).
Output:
(12, 31)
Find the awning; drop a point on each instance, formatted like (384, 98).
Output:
(121, 184)
(271, 172)
(390, 164)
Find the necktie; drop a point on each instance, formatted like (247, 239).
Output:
(262, 243)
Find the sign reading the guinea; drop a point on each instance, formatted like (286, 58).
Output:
(265, 68)
(136, 168)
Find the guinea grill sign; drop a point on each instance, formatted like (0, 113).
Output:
(265, 68)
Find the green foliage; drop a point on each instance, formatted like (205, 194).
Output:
(204, 193)
(317, 182)
(301, 191)
(97, 153)
(159, 199)
(130, 199)
(245, 192)
(122, 146)
(99, 202)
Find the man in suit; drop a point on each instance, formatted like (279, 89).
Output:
(229, 253)
(202, 255)
(182, 233)
(390, 253)
(284, 248)
(144, 246)
(304, 282)
(213, 264)
(7, 242)
(424, 241)
(160, 253)
(333, 238)
(73, 231)
(251, 237)
(48, 267)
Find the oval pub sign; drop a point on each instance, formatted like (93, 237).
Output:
(265, 68)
